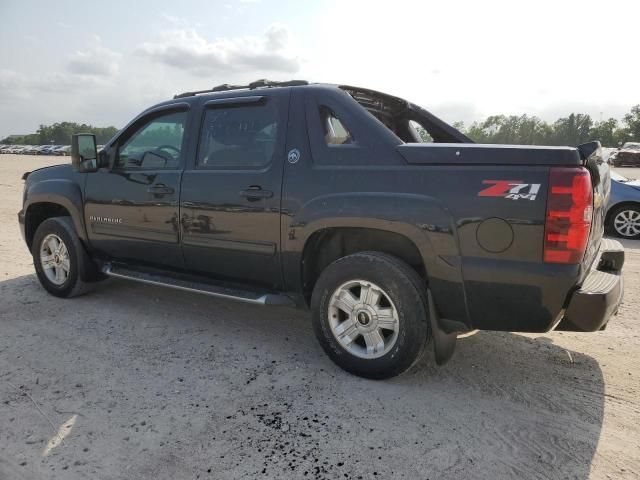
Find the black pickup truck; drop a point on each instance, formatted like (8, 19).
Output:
(390, 225)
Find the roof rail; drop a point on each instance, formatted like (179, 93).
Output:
(263, 83)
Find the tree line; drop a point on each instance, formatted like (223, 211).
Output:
(525, 129)
(572, 130)
(60, 134)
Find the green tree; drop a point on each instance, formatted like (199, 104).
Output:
(606, 132)
(572, 130)
(632, 122)
(60, 134)
(524, 129)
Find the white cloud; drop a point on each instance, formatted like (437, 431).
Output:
(96, 61)
(61, 82)
(85, 70)
(463, 59)
(12, 85)
(186, 49)
(494, 56)
(175, 21)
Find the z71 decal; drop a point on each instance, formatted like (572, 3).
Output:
(511, 189)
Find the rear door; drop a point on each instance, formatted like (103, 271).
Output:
(131, 208)
(230, 201)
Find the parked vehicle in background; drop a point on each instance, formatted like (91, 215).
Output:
(63, 151)
(623, 209)
(59, 150)
(627, 156)
(54, 149)
(32, 150)
(607, 153)
(326, 197)
(48, 149)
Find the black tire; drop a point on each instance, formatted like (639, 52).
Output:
(405, 289)
(617, 211)
(82, 272)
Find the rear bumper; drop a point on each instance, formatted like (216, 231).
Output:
(597, 300)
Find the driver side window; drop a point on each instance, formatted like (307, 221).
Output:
(155, 145)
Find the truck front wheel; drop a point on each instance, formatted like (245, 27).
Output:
(370, 314)
(59, 258)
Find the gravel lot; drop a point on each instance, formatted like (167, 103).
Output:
(134, 381)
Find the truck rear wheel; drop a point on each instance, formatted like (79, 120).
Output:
(59, 258)
(370, 314)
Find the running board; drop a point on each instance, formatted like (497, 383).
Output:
(213, 290)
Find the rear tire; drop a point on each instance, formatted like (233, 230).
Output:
(624, 221)
(369, 314)
(61, 262)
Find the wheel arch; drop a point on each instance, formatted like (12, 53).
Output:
(328, 244)
(51, 199)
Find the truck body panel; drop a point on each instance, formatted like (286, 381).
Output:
(332, 159)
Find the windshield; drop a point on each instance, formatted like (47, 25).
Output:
(617, 177)
(632, 146)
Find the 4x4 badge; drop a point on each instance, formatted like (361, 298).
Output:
(512, 189)
(293, 156)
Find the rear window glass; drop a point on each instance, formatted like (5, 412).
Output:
(335, 132)
(241, 136)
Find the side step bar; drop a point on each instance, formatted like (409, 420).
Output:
(213, 290)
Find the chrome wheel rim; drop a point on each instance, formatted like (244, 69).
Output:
(627, 223)
(363, 319)
(54, 258)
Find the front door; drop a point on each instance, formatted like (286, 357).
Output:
(230, 203)
(132, 208)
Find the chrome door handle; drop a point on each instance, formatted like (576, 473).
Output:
(160, 189)
(255, 192)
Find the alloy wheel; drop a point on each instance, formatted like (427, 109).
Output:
(55, 260)
(363, 319)
(627, 223)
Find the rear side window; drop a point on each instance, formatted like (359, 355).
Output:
(239, 136)
(421, 132)
(155, 145)
(335, 132)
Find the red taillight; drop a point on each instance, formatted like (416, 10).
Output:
(569, 214)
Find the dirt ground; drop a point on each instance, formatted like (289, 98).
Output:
(134, 381)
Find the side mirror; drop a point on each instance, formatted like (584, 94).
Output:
(84, 154)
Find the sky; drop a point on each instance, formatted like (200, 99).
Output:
(104, 62)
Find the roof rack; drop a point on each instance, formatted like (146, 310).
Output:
(263, 83)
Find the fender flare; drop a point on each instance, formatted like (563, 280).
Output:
(420, 218)
(63, 192)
